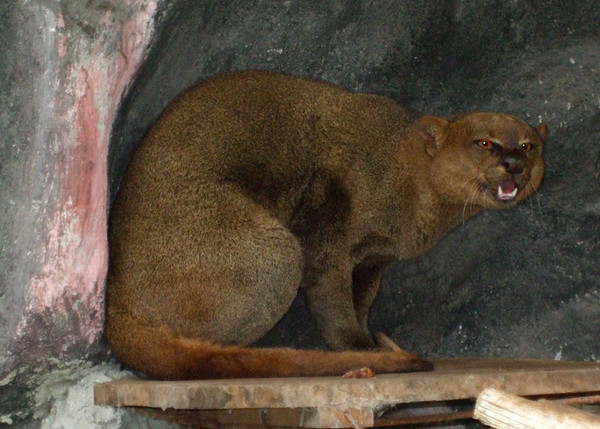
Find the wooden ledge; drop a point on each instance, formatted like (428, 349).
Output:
(335, 401)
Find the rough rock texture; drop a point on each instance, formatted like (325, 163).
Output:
(64, 67)
(520, 283)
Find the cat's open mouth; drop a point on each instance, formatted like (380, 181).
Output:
(506, 191)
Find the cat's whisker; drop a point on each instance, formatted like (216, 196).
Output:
(468, 201)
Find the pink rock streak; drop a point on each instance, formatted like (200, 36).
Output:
(71, 281)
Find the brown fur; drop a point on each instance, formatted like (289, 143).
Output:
(252, 185)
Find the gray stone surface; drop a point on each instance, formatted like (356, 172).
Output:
(64, 66)
(525, 282)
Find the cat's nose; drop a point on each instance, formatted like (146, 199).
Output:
(513, 164)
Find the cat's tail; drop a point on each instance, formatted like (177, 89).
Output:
(160, 354)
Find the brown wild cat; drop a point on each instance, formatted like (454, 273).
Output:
(253, 185)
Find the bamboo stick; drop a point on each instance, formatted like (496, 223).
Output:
(501, 410)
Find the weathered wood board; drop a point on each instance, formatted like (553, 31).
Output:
(501, 410)
(339, 402)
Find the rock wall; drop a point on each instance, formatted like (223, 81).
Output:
(519, 283)
(65, 67)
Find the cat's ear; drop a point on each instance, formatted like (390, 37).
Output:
(542, 130)
(433, 129)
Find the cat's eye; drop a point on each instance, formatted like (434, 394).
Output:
(526, 147)
(485, 144)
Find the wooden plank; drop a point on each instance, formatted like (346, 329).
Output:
(501, 410)
(246, 418)
(299, 417)
(453, 379)
(332, 417)
(267, 418)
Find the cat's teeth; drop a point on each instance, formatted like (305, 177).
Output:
(506, 196)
